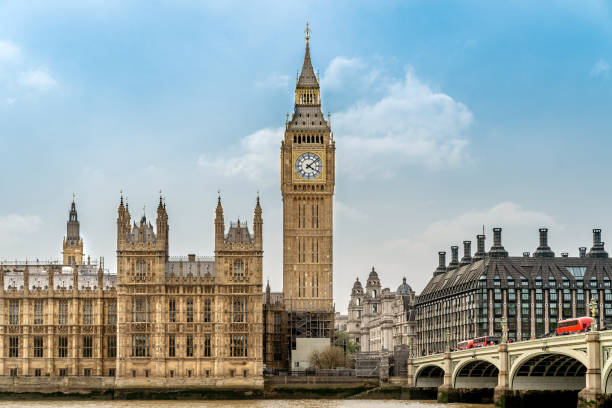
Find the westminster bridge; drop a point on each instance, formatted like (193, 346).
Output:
(580, 362)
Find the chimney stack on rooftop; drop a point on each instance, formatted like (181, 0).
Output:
(441, 264)
(598, 250)
(497, 250)
(467, 253)
(480, 248)
(582, 251)
(544, 251)
(526, 254)
(454, 263)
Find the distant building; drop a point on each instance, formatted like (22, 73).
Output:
(340, 322)
(380, 319)
(473, 296)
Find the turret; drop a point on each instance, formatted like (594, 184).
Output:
(123, 222)
(73, 244)
(258, 225)
(219, 225)
(162, 224)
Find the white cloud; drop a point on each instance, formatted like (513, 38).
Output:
(600, 69)
(411, 123)
(344, 210)
(9, 51)
(516, 223)
(256, 158)
(338, 70)
(15, 227)
(274, 81)
(40, 79)
(519, 233)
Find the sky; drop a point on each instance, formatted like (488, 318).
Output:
(449, 117)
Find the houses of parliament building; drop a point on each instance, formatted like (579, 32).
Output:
(163, 321)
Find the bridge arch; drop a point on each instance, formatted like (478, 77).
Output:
(606, 376)
(549, 370)
(476, 373)
(429, 375)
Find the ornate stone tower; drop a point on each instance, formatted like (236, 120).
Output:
(141, 264)
(73, 244)
(307, 185)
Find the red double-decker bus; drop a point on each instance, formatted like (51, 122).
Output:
(464, 345)
(571, 326)
(485, 341)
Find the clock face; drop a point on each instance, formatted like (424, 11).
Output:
(308, 165)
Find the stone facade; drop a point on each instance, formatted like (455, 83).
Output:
(192, 317)
(58, 319)
(380, 320)
(276, 328)
(307, 186)
(160, 322)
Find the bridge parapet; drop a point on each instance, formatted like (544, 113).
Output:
(574, 362)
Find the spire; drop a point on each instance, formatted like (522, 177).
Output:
(72, 226)
(307, 78)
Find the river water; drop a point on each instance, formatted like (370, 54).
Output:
(58, 403)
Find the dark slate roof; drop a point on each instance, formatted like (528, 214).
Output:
(517, 269)
(404, 289)
(307, 78)
(357, 288)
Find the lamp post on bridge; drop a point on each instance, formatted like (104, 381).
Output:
(593, 307)
(504, 338)
(447, 340)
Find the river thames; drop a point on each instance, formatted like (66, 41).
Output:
(58, 403)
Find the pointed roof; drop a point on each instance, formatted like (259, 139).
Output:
(73, 216)
(307, 78)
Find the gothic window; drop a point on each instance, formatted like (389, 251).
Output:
(238, 346)
(63, 312)
(62, 347)
(238, 268)
(87, 312)
(207, 311)
(38, 312)
(171, 346)
(140, 310)
(189, 346)
(111, 346)
(111, 313)
(141, 270)
(374, 308)
(239, 310)
(172, 310)
(315, 216)
(140, 345)
(189, 311)
(87, 346)
(207, 346)
(38, 346)
(14, 346)
(14, 312)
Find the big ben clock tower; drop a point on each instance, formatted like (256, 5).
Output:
(307, 185)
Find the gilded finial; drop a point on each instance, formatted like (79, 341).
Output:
(73, 197)
(307, 31)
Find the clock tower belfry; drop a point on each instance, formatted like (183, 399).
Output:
(307, 186)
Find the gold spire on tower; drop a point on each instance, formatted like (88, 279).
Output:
(307, 31)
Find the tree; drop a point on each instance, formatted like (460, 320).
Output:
(330, 357)
(343, 340)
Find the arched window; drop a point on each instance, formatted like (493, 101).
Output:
(238, 268)
(141, 270)
(239, 310)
